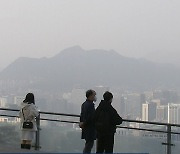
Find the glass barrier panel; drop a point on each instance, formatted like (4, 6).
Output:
(134, 141)
(9, 133)
(60, 137)
(175, 141)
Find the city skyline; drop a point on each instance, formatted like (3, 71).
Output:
(104, 70)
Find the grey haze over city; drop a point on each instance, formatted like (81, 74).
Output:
(134, 28)
(58, 49)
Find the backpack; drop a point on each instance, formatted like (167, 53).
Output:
(102, 123)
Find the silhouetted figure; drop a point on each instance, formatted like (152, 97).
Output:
(106, 119)
(27, 114)
(86, 121)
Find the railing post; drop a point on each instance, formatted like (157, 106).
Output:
(169, 139)
(37, 144)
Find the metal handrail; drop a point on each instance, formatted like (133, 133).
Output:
(168, 125)
(75, 115)
(76, 122)
(152, 123)
(42, 112)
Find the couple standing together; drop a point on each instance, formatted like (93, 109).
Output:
(99, 123)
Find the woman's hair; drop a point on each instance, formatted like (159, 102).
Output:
(29, 98)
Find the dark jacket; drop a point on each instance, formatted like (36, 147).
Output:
(87, 113)
(114, 118)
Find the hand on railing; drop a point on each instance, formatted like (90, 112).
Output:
(81, 125)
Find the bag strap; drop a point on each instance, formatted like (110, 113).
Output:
(23, 114)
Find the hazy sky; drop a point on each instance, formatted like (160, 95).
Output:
(135, 28)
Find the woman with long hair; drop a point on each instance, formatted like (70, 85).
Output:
(28, 113)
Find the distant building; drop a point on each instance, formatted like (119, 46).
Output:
(142, 101)
(156, 101)
(9, 120)
(149, 111)
(123, 106)
(123, 132)
(10, 98)
(78, 96)
(162, 113)
(133, 105)
(166, 96)
(100, 90)
(18, 100)
(174, 113)
(157, 94)
(145, 112)
(3, 102)
(44, 105)
(149, 95)
(170, 96)
(2, 119)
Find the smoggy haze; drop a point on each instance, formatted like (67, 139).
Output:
(135, 28)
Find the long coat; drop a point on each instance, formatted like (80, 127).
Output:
(28, 112)
(87, 114)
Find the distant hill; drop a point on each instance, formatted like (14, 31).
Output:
(171, 57)
(76, 66)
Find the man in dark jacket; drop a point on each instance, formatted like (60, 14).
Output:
(86, 121)
(106, 119)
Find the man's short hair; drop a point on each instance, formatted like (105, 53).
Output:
(89, 93)
(108, 96)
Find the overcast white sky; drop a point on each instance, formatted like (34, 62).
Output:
(135, 28)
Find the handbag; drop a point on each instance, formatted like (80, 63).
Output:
(27, 124)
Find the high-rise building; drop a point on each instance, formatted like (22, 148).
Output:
(149, 111)
(174, 113)
(156, 101)
(162, 113)
(145, 112)
(3, 102)
(142, 101)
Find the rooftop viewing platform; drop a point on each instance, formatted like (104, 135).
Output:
(59, 132)
(79, 76)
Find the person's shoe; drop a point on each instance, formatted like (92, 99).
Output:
(22, 146)
(28, 146)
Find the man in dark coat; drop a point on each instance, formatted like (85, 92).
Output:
(86, 121)
(106, 120)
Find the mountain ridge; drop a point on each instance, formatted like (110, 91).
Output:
(88, 68)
